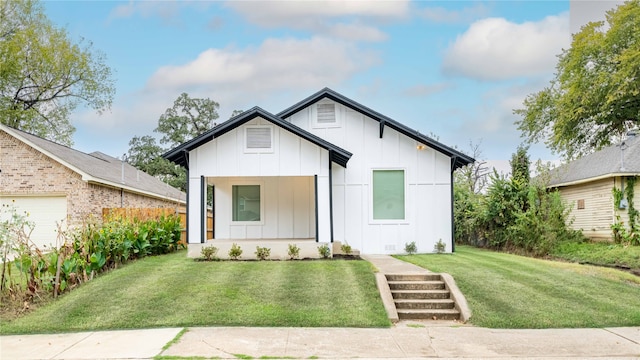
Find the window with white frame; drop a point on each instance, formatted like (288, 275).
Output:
(388, 188)
(246, 203)
(259, 138)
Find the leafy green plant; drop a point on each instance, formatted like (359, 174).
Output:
(235, 252)
(262, 253)
(346, 248)
(209, 252)
(440, 247)
(293, 251)
(410, 248)
(84, 252)
(324, 251)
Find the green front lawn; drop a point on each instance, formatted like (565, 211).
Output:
(508, 291)
(600, 253)
(172, 290)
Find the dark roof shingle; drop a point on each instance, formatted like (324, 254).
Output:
(103, 168)
(606, 162)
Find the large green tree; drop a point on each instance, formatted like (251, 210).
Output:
(595, 95)
(44, 76)
(185, 120)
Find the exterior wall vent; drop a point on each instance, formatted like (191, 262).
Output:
(258, 139)
(326, 113)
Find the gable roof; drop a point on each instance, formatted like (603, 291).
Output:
(100, 168)
(459, 158)
(601, 164)
(179, 155)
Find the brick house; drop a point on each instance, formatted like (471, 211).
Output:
(55, 183)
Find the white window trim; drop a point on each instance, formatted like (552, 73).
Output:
(314, 116)
(247, 182)
(406, 194)
(248, 150)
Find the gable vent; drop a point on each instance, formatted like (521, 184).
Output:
(326, 113)
(259, 138)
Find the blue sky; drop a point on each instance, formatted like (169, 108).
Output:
(455, 69)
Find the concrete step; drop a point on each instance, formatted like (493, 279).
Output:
(416, 285)
(413, 277)
(428, 314)
(420, 294)
(424, 304)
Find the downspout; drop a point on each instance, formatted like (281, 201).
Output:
(122, 181)
(453, 224)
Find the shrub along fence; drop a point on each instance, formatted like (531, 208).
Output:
(156, 213)
(95, 247)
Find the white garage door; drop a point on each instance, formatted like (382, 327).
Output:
(43, 212)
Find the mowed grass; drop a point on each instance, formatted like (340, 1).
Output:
(172, 290)
(509, 291)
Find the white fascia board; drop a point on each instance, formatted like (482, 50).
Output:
(596, 178)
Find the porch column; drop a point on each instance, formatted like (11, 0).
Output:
(194, 209)
(323, 208)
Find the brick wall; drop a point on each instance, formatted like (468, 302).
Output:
(26, 171)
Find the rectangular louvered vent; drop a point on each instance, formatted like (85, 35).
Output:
(326, 113)
(258, 138)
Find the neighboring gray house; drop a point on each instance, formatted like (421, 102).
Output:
(586, 185)
(55, 183)
(327, 169)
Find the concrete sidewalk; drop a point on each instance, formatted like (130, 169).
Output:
(405, 340)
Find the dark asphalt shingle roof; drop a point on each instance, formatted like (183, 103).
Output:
(102, 168)
(607, 161)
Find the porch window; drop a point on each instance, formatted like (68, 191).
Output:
(246, 202)
(388, 195)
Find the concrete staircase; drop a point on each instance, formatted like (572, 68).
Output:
(422, 297)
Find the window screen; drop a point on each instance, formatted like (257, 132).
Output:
(246, 202)
(388, 195)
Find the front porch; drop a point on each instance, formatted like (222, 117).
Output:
(279, 248)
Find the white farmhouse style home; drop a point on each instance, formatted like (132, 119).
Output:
(325, 170)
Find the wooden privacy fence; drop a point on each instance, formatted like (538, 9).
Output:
(155, 213)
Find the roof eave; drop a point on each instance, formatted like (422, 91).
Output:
(179, 154)
(413, 134)
(594, 178)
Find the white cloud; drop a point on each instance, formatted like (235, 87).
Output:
(357, 32)
(277, 64)
(304, 13)
(168, 11)
(349, 20)
(465, 15)
(494, 121)
(496, 49)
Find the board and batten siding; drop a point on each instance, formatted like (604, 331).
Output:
(427, 184)
(288, 208)
(595, 219)
(287, 174)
